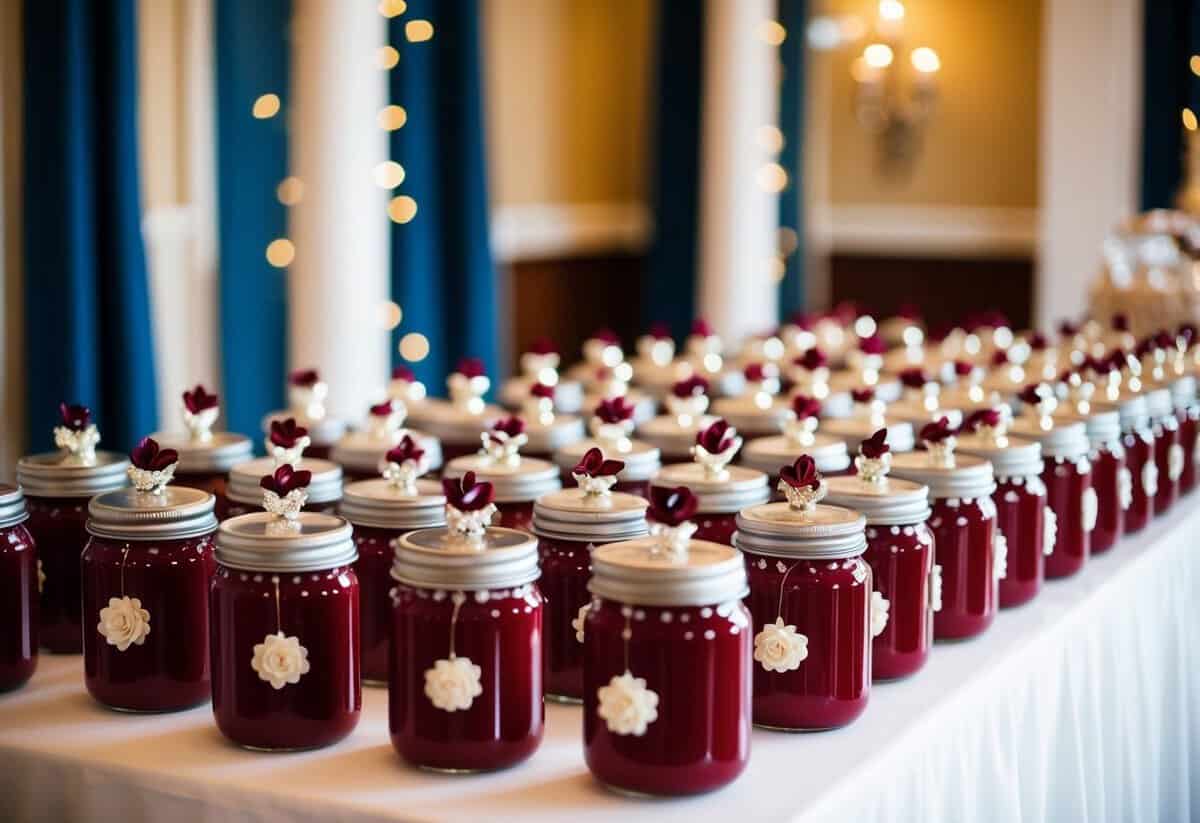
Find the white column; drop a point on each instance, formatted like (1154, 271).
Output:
(1090, 137)
(737, 292)
(338, 281)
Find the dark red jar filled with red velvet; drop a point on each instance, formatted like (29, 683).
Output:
(19, 581)
(1187, 411)
(1137, 441)
(146, 573)
(458, 422)
(57, 487)
(1110, 476)
(284, 627)
(1168, 453)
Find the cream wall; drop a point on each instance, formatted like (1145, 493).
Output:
(12, 350)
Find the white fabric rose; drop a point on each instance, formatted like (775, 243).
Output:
(1175, 462)
(1088, 509)
(999, 556)
(935, 588)
(124, 622)
(280, 660)
(1124, 488)
(452, 685)
(626, 705)
(1049, 531)
(580, 621)
(1150, 478)
(779, 647)
(880, 607)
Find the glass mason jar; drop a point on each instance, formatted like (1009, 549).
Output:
(517, 484)
(569, 524)
(323, 431)
(457, 426)
(1110, 476)
(642, 462)
(1187, 411)
(146, 573)
(967, 547)
(381, 512)
(1168, 453)
(754, 415)
(811, 607)
(666, 667)
(19, 583)
(465, 690)
(900, 553)
(57, 488)
(1138, 443)
(1022, 515)
(720, 496)
(284, 628)
(359, 452)
(205, 465)
(244, 495)
(853, 430)
(767, 454)
(1067, 475)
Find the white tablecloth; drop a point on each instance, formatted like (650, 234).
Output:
(1084, 705)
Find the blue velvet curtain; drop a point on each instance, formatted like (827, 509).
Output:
(443, 276)
(1171, 35)
(793, 15)
(87, 310)
(669, 284)
(252, 58)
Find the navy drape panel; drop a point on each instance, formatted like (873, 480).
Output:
(252, 57)
(793, 15)
(1171, 35)
(669, 286)
(88, 336)
(443, 276)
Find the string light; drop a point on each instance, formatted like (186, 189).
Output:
(390, 315)
(388, 174)
(773, 33)
(1194, 63)
(878, 55)
(1189, 119)
(392, 8)
(266, 106)
(418, 31)
(290, 191)
(770, 139)
(414, 347)
(387, 57)
(925, 60)
(392, 117)
(772, 177)
(402, 209)
(281, 253)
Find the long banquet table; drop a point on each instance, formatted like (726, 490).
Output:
(1083, 705)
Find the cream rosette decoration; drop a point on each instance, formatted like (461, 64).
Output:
(453, 682)
(579, 623)
(467, 385)
(285, 492)
(540, 363)
(626, 705)
(874, 459)
(762, 384)
(503, 441)
(384, 421)
(688, 400)
(1049, 531)
(286, 442)
(935, 588)
(810, 373)
(939, 442)
(656, 345)
(868, 407)
(611, 425)
(76, 435)
(280, 660)
(1175, 462)
(539, 404)
(151, 468)
(670, 510)
(403, 464)
(595, 475)
(307, 393)
(880, 609)
(1150, 478)
(123, 622)
(779, 647)
(715, 447)
(200, 411)
(405, 386)
(800, 422)
(1125, 488)
(1089, 509)
(802, 485)
(999, 556)
(469, 507)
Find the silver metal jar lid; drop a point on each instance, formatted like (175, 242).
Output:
(821, 533)
(671, 438)
(900, 436)
(549, 438)
(1159, 403)
(642, 460)
(1183, 391)
(359, 451)
(379, 504)
(441, 559)
(570, 514)
(12, 506)
(264, 542)
(1065, 439)
(1016, 457)
(633, 572)
(49, 475)
(767, 454)
(523, 482)
(744, 414)
(451, 424)
(219, 455)
(743, 487)
(175, 513)
(325, 486)
(891, 502)
(970, 476)
(323, 432)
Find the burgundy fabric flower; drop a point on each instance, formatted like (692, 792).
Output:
(197, 400)
(470, 367)
(755, 372)
(511, 426)
(1163, 339)
(811, 360)
(149, 456)
(1188, 332)
(659, 331)
(383, 409)
(913, 378)
(542, 390)
(1031, 395)
(981, 417)
(1067, 329)
(672, 506)
(701, 328)
(937, 431)
(804, 406)
(467, 495)
(305, 378)
(614, 410)
(1120, 322)
(963, 368)
(875, 446)
(403, 373)
(1038, 341)
(543, 345)
(286, 480)
(999, 357)
(801, 474)
(406, 449)
(286, 433)
(593, 464)
(74, 417)
(690, 387)
(607, 336)
(872, 345)
(716, 437)
(864, 395)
